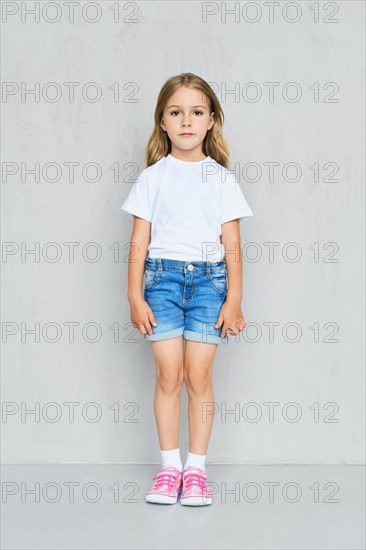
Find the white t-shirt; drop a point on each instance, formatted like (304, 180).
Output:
(186, 203)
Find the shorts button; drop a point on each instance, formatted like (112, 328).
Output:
(190, 267)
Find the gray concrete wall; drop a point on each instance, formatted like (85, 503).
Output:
(301, 354)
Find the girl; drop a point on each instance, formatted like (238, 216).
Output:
(186, 208)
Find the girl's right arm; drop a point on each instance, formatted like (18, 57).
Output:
(140, 311)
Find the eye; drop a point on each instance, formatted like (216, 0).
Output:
(172, 113)
(200, 112)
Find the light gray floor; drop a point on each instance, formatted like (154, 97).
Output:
(312, 507)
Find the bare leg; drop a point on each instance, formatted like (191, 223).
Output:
(198, 363)
(169, 360)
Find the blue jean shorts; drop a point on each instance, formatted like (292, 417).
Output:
(186, 298)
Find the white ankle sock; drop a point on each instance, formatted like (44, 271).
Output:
(171, 458)
(198, 461)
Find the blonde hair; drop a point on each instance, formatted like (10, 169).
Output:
(214, 144)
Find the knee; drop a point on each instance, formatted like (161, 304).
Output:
(197, 383)
(170, 382)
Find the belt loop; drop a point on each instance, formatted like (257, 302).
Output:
(160, 266)
(208, 269)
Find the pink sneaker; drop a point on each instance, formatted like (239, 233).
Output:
(195, 491)
(166, 487)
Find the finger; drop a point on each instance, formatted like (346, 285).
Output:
(150, 322)
(242, 325)
(223, 332)
(148, 327)
(219, 321)
(152, 319)
(142, 329)
(233, 329)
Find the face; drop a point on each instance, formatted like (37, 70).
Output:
(186, 119)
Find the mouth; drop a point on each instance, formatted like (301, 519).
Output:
(186, 134)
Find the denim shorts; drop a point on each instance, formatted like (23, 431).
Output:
(186, 298)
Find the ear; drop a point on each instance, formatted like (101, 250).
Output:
(162, 125)
(211, 123)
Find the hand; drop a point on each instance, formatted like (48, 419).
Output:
(231, 317)
(141, 316)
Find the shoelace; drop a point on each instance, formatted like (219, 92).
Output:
(195, 479)
(165, 478)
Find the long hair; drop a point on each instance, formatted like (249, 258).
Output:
(214, 144)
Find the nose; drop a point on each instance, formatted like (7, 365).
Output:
(186, 122)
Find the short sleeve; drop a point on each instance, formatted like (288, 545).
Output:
(233, 203)
(137, 202)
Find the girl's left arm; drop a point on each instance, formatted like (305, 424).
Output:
(231, 315)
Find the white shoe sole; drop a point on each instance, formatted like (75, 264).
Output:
(196, 501)
(160, 499)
